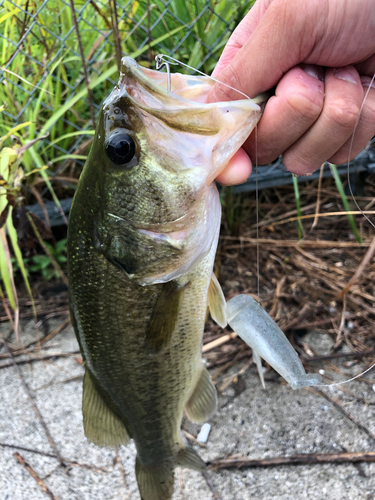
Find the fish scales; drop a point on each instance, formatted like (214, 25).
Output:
(157, 386)
(143, 232)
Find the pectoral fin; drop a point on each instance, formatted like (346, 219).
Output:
(101, 425)
(203, 401)
(216, 302)
(164, 316)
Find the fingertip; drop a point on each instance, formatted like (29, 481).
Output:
(237, 171)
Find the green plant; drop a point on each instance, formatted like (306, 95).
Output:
(235, 209)
(340, 189)
(43, 264)
(49, 65)
(11, 178)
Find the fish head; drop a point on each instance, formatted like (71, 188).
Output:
(151, 170)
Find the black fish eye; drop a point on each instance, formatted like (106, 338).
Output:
(120, 149)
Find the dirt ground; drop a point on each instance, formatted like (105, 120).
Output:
(321, 291)
(250, 422)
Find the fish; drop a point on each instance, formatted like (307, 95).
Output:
(142, 237)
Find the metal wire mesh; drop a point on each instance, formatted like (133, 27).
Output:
(42, 70)
(42, 77)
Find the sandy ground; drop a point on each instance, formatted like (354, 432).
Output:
(249, 422)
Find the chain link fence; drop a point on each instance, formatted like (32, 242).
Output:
(43, 68)
(60, 58)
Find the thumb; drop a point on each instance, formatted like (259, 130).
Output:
(263, 52)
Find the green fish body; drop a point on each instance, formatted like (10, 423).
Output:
(143, 232)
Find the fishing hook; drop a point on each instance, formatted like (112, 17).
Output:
(159, 64)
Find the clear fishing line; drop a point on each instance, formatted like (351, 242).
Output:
(160, 61)
(159, 58)
(350, 150)
(364, 215)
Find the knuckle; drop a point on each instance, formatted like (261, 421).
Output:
(305, 106)
(343, 113)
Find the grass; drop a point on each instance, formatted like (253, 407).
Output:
(56, 67)
(45, 100)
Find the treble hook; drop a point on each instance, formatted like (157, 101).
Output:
(159, 64)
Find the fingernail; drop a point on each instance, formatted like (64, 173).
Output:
(368, 82)
(314, 71)
(346, 73)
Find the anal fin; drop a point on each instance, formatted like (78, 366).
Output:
(101, 425)
(202, 403)
(216, 302)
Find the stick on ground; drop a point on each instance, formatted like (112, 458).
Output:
(303, 459)
(34, 475)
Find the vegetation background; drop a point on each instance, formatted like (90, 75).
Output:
(58, 61)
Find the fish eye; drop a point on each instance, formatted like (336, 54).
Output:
(120, 148)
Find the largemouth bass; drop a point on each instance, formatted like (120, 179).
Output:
(143, 232)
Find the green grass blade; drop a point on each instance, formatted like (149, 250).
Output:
(17, 252)
(340, 189)
(6, 270)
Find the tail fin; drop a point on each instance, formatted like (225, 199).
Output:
(155, 483)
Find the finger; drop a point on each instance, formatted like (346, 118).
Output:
(365, 128)
(237, 171)
(343, 98)
(297, 103)
(241, 34)
(274, 47)
(367, 67)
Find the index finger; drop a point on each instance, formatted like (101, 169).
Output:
(275, 45)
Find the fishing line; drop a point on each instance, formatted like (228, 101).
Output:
(160, 62)
(159, 58)
(257, 209)
(364, 215)
(350, 150)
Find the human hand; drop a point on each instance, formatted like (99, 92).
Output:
(321, 57)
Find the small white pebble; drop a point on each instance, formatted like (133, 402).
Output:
(350, 325)
(322, 372)
(373, 387)
(204, 433)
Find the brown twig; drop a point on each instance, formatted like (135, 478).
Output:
(337, 404)
(41, 358)
(89, 93)
(211, 486)
(366, 259)
(355, 355)
(115, 32)
(35, 408)
(218, 342)
(192, 438)
(301, 459)
(251, 242)
(73, 463)
(34, 475)
(42, 205)
(46, 250)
